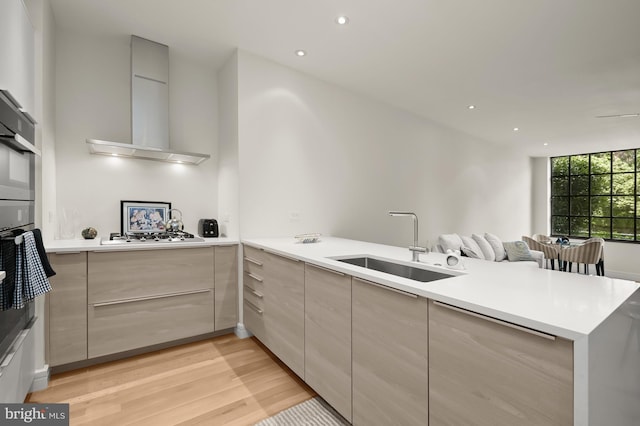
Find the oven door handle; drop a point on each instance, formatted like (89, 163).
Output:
(20, 144)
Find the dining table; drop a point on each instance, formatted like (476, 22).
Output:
(560, 246)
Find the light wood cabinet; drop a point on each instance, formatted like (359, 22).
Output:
(284, 310)
(253, 291)
(484, 371)
(273, 297)
(327, 347)
(119, 275)
(226, 287)
(67, 309)
(120, 326)
(382, 356)
(390, 356)
(145, 297)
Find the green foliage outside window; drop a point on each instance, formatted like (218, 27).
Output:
(596, 195)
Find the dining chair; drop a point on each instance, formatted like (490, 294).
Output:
(550, 252)
(587, 253)
(600, 264)
(541, 238)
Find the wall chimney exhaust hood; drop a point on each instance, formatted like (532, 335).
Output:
(149, 109)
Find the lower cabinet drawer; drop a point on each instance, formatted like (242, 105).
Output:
(135, 323)
(254, 320)
(254, 297)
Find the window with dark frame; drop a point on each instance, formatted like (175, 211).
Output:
(596, 195)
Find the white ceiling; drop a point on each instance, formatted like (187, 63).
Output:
(547, 67)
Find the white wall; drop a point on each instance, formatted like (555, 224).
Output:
(316, 158)
(621, 260)
(228, 197)
(540, 196)
(93, 101)
(42, 19)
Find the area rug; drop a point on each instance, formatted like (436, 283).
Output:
(314, 412)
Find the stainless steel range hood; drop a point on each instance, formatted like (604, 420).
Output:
(149, 109)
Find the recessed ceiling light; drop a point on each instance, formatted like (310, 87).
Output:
(546, 144)
(471, 107)
(515, 129)
(300, 53)
(114, 155)
(342, 20)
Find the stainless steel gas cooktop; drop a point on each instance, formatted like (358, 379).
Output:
(170, 237)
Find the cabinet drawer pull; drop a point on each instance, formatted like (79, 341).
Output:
(254, 307)
(255, 277)
(252, 291)
(251, 260)
(59, 253)
(326, 269)
(497, 321)
(395, 290)
(142, 299)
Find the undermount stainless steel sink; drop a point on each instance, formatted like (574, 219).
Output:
(398, 269)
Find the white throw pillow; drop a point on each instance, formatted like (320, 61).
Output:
(450, 242)
(487, 251)
(518, 251)
(497, 246)
(470, 243)
(472, 254)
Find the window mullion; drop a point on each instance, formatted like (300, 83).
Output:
(589, 198)
(570, 198)
(611, 196)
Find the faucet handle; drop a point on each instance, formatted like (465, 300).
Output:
(418, 249)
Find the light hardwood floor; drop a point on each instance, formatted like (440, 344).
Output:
(220, 381)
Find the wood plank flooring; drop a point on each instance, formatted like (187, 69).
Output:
(220, 381)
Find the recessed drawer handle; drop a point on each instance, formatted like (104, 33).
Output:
(254, 307)
(59, 253)
(255, 277)
(252, 291)
(326, 269)
(293, 259)
(141, 299)
(497, 321)
(395, 290)
(251, 260)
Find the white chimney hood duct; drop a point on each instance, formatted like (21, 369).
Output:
(149, 109)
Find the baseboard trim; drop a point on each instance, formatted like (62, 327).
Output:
(138, 351)
(40, 379)
(241, 331)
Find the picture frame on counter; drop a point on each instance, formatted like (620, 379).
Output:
(143, 216)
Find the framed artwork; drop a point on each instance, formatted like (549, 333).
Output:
(143, 216)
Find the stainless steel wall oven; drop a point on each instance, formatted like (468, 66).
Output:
(17, 203)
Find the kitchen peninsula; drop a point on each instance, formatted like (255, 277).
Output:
(491, 344)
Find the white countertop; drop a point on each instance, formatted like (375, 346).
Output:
(568, 305)
(65, 246)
